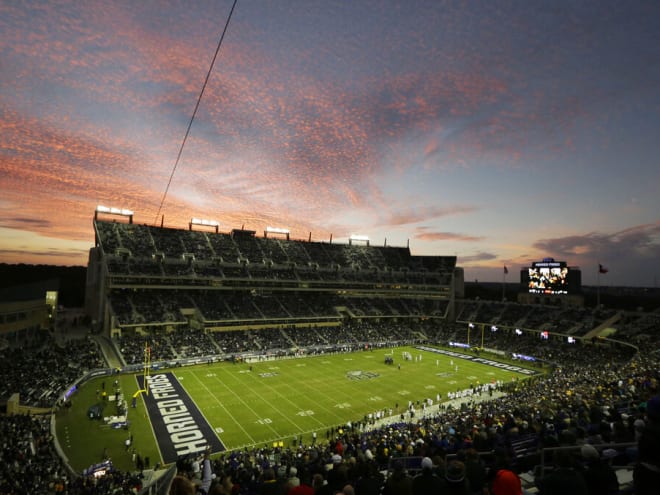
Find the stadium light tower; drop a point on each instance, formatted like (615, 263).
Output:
(278, 231)
(358, 238)
(204, 223)
(107, 210)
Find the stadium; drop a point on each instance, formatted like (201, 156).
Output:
(246, 361)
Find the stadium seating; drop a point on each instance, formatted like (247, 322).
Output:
(181, 291)
(517, 425)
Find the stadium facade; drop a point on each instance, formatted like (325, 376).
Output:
(143, 278)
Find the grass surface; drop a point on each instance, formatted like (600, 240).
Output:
(259, 403)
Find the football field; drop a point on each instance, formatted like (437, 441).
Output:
(263, 402)
(225, 406)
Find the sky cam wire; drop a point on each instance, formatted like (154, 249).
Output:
(192, 118)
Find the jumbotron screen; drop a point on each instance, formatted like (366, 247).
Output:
(548, 277)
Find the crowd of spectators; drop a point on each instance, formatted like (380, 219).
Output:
(182, 343)
(41, 372)
(133, 349)
(598, 412)
(149, 255)
(30, 465)
(597, 396)
(162, 307)
(566, 320)
(149, 250)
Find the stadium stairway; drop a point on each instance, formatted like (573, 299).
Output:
(109, 352)
(603, 326)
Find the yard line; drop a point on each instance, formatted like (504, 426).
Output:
(320, 391)
(316, 404)
(286, 416)
(221, 405)
(244, 403)
(298, 405)
(341, 368)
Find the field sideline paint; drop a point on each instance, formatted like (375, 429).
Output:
(475, 359)
(179, 426)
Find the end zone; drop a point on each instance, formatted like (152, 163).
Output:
(179, 426)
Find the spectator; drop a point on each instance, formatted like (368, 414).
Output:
(567, 479)
(600, 477)
(646, 474)
(399, 483)
(269, 485)
(506, 482)
(455, 481)
(426, 482)
(348, 490)
(475, 471)
(181, 485)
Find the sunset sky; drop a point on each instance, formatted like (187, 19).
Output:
(499, 132)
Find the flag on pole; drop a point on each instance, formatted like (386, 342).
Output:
(506, 270)
(602, 269)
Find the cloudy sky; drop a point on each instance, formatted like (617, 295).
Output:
(500, 132)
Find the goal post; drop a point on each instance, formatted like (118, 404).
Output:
(146, 369)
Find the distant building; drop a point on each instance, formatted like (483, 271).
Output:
(26, 312)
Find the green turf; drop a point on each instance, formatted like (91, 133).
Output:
(278, 399)
(84, 440)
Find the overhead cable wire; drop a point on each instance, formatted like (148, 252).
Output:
(192, 118)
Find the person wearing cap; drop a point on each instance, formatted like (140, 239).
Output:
(506, 482)
(293, 477)
(426, 481)
(566, 479)
(599, 475)
(455, 482)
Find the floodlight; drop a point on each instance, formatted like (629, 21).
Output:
(277, 230)
(114, 211)
(201, 221)
(204, 223)
(358, 237)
